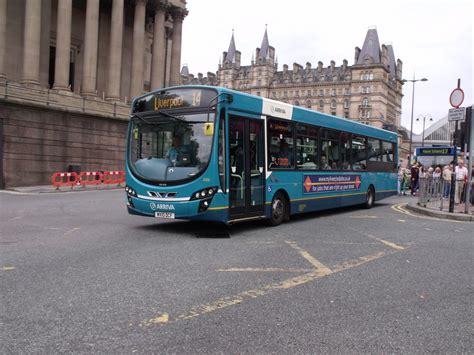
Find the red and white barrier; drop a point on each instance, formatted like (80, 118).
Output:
(90, 178)
(64, 179)
(113, 177)
(86, 178)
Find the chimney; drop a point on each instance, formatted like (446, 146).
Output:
(356, 56)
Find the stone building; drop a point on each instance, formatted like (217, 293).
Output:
(369, 91)
(68, 69)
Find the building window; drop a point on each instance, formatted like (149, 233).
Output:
(321, 78)
(308, 103)
(333, 92)
(346, 114)
(333, 104)
(321, 92)
(346, 103)
(258, 93)
(285, 94)
(321, 104)
(259, 82)
(365, 102)
(334, 78)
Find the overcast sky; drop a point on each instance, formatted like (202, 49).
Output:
(434, 39)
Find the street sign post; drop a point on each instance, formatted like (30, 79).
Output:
(456, 114)
(457, 97)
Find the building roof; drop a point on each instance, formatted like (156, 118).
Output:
(264, 48)
(185, 70)
(391, 61)
(370, 52)
(231, 51)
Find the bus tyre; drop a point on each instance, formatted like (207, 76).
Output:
(279, 209)
(370, 198)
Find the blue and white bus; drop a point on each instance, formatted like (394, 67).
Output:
(213, 154)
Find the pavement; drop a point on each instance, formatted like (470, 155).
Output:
(51, 189)
(413, 206)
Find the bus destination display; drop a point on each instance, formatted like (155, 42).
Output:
(174, 99)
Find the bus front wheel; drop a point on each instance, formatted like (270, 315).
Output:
(279, 208)
(370, 199)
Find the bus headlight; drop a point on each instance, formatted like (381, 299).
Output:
(130, 191)
(204, 193)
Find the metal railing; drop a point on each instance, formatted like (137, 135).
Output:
(434, 192)
(63, 100)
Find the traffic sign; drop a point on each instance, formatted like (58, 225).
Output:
(456, 98)
(456, 114)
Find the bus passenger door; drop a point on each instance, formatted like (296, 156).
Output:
(247, 175)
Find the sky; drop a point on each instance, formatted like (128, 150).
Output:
(433, 38)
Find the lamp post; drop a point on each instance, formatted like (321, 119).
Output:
(424, 119)
(412, 107)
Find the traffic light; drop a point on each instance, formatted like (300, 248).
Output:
(462, 137)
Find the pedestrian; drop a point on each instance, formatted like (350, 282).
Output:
(399, 180)
(414, 178)
(447, 171)
(461, 178)
(405, 181)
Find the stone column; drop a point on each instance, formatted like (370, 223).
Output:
(138, 54)
(63, 45)
(115, 52)
(158, 55)
(178, 17)
(31, 42)
(3, 37)
(91, 38)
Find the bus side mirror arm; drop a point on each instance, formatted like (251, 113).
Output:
(227, 97)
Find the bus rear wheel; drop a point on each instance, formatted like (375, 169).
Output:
(279, 209)
(370, 198)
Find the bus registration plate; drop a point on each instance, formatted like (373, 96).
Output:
(164, 215)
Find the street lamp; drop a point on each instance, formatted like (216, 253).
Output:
(412, 107)
(424, 119)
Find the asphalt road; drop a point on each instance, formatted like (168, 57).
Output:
(78, 274)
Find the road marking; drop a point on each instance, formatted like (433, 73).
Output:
(71, 231)
(7, 268)
(365, 216)
(386, 242)
(390, 244)
(160, 319)
(399, 208)
(319, 266)
(319, 272)
(269, 269)
(401, 220)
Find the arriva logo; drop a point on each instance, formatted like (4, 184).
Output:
(161, 206)
(277, 110)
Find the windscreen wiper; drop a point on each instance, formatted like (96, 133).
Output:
(140, 117)
(179, 119)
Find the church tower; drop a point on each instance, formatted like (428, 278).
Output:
(229, 66)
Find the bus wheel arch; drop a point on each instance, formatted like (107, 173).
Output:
(370, 197)
(279, 208)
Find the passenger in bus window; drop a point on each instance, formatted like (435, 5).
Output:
(284, 157)
(324, 163)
